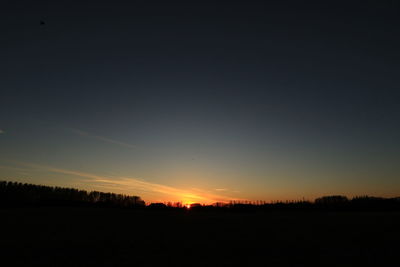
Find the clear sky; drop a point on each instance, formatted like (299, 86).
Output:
(199, 101)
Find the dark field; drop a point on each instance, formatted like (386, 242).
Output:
(116, 237)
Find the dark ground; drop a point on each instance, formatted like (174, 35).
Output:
(45, 236)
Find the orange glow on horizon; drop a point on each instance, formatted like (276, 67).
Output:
(146, 190)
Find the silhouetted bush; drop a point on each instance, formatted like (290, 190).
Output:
(158, 206)
(331, 200)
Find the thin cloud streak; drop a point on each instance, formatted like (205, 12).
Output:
(134, 185)
(101, 138)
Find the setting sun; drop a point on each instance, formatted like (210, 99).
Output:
(199, 133)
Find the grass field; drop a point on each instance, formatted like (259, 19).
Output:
(64, 236)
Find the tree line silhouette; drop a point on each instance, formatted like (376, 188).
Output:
(329, 203)
(14, 193)
(17, 194)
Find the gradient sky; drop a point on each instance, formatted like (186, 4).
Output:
(199, 101)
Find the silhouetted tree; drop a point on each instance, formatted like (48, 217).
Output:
(13, 193)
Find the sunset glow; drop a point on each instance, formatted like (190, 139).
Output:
(200, 133)
(198, 106)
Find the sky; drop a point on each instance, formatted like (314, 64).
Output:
(202, 101)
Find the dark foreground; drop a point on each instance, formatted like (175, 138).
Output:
(116, 237)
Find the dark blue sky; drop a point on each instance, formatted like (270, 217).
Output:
(235, 99)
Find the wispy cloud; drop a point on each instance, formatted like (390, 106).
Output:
(134, 185)
(101, 138)
(2, 131)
